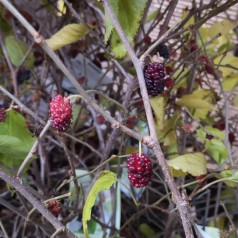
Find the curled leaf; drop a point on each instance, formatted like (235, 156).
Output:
(104, 182)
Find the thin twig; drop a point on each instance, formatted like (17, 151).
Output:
(17, 183)
(33, 149)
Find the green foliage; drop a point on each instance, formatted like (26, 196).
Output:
(104, 182)
(129, 14)
(17, 50)
(158, 105)
(67, 35)
(217, 150)
(193, 163)
(15, 140)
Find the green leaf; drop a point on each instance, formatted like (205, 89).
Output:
(12, 147)
(195, 103)
(5, 25)
(158, 105)
(217, 150)
(201, 134)
(230, 60)
(167, 134)
(15, 139)
(146, 230)
(108, 24)
(129, 14)
(67, 35)
(232, 178)
(16, 50)
(152, 15)
(229, 83)
(194, 164)
(215, 132)
(208, 232)
(104, 182)
(191, 20)
(223, 27)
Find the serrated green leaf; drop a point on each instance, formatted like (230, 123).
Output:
(16, 50)
(108, 24)
(158, 105)
(104, 182)
(67, 35)
(15, 140)
(194, 164)
(217, 150)
(129, 14)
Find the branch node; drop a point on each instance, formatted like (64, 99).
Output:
(116, 125)
(37, 37)
(147, 140)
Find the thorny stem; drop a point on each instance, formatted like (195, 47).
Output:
(176, 196)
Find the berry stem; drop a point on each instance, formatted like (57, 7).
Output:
(58, 197)
(140, 148)
(77, 96)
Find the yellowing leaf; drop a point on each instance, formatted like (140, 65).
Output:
(230, 83)
(167, 134)
(223, 27)
(104, 182)
(190, 21)
(229, 60)
(194, 164)
(197, 100)
(67, 35)
(61, 8)
(158, 104)
(196, 103)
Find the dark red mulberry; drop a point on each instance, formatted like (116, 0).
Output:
(139, 170)
(154, 78)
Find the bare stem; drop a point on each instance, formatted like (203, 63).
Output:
(17, 183)
(176, 196)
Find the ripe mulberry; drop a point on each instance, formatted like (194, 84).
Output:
(139, 170)
(60, 113)
(154, 78)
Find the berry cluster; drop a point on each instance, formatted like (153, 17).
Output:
(154, 78)
(163, 50)
(2, 115)
(139, 170)
(60, 113)
(54, 207)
